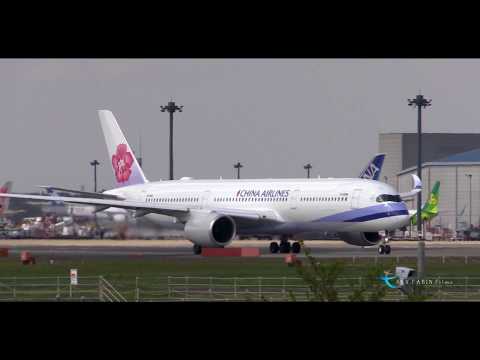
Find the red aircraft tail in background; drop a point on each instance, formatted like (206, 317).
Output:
(5, 201)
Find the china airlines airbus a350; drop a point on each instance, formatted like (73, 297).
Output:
(215, 211)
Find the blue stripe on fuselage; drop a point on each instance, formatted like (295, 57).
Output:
(367, 213)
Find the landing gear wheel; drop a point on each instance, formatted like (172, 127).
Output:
(197, 249)
(387, 249)
(296, 247)
(285, 247)
(381, 249)
(274, 248)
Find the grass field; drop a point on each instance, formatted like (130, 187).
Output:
(124, 274)
(117, 268)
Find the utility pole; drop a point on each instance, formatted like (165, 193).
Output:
(308, 167)
(420, 102)
(140, 158)
(171, 108)
(470, 200)
(94, 163)
(238, 166)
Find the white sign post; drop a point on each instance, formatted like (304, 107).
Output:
(73, 277)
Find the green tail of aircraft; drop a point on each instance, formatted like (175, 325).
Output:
(430, 208)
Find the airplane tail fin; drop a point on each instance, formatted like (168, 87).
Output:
(4, 202)
(374, 168)
(125, 166)
(430, 208)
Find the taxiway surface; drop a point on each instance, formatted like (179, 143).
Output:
(183, 248)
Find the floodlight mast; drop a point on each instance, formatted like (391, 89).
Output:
(420, 102)
(171, 107)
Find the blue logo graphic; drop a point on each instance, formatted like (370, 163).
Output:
(388, 278)
(371, 172)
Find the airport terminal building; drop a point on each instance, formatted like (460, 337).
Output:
(452, 159)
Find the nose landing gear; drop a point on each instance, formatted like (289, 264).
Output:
(384, 248)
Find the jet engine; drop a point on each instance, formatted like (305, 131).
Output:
(210, 230)
(119, 218)
(361, 238)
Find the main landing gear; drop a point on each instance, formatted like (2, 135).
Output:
(384, 248)
(284, 246)
(197, 249)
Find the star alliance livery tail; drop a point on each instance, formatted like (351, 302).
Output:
(125, 167)
(374, 168)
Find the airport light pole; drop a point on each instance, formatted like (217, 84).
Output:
(470, 200)
(237, 166)
(94, 163)
(308, 167)
(171, 107)
(419, 102)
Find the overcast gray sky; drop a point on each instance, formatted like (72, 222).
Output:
(273, 115)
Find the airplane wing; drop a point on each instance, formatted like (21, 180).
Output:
(144, 208)
(82, 193)
(124, 204)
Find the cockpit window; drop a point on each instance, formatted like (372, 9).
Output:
(387, 197)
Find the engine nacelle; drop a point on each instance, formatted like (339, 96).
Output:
(119, 218)
(361, 238)
(211, 229)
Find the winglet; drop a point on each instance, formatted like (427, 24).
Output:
(417, 187)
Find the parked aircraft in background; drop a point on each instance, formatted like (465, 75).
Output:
(374, 168)
(5, 202)
(430, 208)
(213, 212)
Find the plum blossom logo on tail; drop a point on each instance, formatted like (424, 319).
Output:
(122, 162)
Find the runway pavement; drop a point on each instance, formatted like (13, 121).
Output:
(183, 248)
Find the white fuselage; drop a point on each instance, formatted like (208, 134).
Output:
(296, 205)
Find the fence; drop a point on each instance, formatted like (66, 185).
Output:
(47, 288)
(194, 288)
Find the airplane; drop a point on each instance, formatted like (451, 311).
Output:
(122, 221)
(430, 208)
(214, 212)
